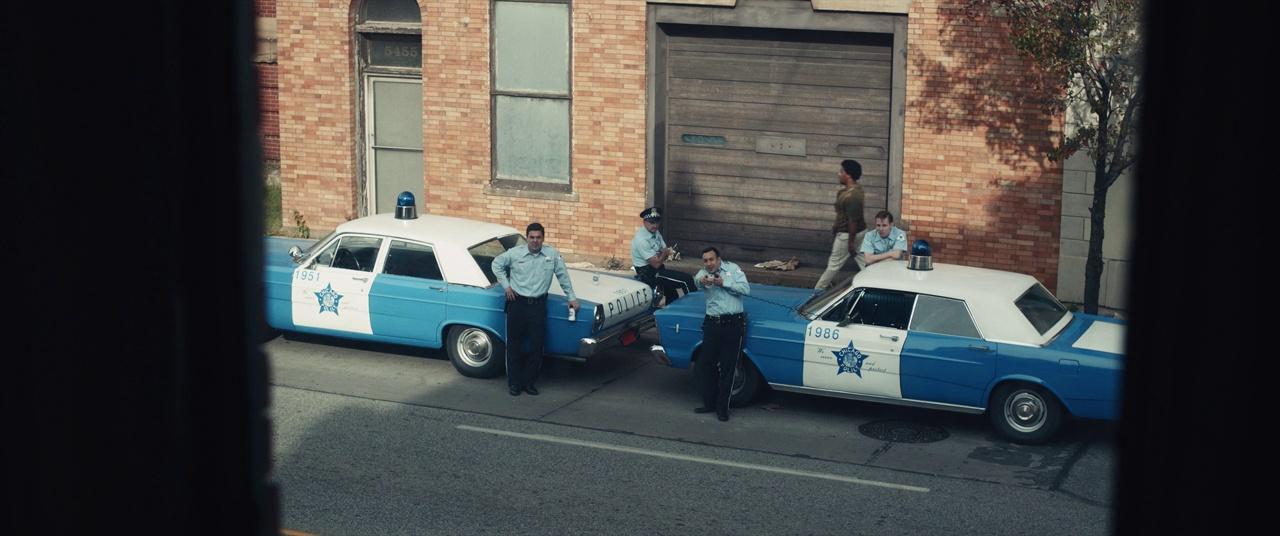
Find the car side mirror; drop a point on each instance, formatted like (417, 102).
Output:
(296, 253)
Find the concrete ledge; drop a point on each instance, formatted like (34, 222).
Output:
(897, 7)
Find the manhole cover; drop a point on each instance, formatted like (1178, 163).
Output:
(903, 432)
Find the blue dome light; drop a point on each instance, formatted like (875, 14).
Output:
(406, 206)
(919, 247)
(921, 256)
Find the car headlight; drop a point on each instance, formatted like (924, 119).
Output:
(598, 322)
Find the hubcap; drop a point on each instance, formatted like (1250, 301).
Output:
(1024, 411)
(474, 348)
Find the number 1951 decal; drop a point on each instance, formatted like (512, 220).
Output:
(823, 333)
(306, 275)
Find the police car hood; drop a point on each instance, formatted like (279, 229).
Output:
(765, 302)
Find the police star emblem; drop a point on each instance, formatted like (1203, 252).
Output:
(850, 360)
(328, 299)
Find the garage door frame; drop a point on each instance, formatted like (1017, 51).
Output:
(767, 15)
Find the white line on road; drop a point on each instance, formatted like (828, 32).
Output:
(696, 459)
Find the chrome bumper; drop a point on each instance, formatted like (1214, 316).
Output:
(659, 353)
(589, 346)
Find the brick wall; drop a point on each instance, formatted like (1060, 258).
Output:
(317, 99)
(269, 111)
(316, 103)
(976, 180)
(268, 87)
(608, 126)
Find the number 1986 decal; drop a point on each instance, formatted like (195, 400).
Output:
(823, 333)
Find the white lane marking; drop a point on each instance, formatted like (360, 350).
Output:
(696, 459)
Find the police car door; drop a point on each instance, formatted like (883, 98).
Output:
(857, 347)
(331, 290)
(408, 300)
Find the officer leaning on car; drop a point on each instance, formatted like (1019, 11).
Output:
(525, 274)
(723, 328)
(649, 251)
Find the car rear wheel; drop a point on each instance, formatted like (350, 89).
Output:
(476, 353)
(1025, 413)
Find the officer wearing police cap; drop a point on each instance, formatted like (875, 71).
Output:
(648, 253)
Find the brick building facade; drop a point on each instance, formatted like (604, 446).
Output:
(965, 166)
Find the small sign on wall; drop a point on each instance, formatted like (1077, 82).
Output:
(787, 146)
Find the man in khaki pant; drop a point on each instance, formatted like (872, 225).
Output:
(849, 221)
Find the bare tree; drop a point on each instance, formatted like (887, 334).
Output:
(1089, 52)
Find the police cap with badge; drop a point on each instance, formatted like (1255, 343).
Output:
(652, 214)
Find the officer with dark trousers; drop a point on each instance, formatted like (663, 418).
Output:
(723, 330)
(649, 251)
(525, 273)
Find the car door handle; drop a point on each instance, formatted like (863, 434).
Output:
(980, 347)
(437, 289)
(360, 279)
(893, 338)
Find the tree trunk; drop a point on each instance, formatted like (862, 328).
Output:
(1093, 265)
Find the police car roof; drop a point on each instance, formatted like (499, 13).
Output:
(990, 295)
(460, 232)
(947, 280)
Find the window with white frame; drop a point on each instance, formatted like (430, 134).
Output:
(531, 94)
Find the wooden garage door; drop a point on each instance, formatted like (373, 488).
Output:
(757, 122)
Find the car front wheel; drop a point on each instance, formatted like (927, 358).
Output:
(476, 353)
(746, 380)
(1025, 413)
(746, 383)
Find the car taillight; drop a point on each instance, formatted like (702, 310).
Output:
(599, 318)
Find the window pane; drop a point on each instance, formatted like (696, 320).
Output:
(325, 258)
(357, 253)
(394, 50)
(397, 171)
(397, 114)
(944, 316)
(391, 11)
(485, 253)
(1041, 308)
(532, 139)
(412, 260)
(531, 47)
(884, 308)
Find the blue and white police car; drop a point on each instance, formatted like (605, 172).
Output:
(914, 333)
(427, 281)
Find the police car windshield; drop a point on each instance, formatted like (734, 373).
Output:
(486, 251)
(318, 243)
(820, 300)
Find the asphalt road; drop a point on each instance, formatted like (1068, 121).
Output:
(375, 439)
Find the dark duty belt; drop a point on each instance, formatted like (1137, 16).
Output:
(725, 319)
(531, 301)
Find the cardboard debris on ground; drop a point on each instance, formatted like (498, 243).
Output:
(779, 265)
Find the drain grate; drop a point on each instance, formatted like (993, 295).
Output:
(903, 431)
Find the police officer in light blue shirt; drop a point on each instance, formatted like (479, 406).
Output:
(885, 242)
(723, 329)
(525, 274)
(649, 251)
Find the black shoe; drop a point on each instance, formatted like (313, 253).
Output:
(722, 416)
(531, 390)
(703, 409)
(514, 390)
